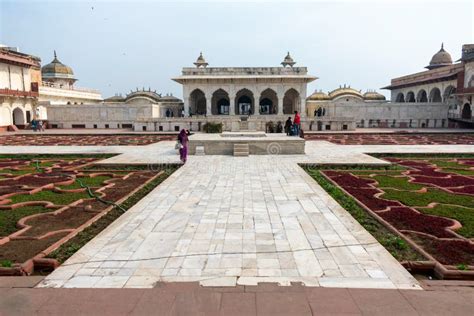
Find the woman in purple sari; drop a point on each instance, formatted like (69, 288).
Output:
(183, 140)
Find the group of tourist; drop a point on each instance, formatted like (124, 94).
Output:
(293, 128)
(320, 112)
(37, 125)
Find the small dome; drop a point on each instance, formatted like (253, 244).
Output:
(342, 91)
(57, 69)
(288, 61)
(170, 98)
(143, 94)
(440, 59)
(374, 95)
(318, 96)
(201, 62)
(115, 98)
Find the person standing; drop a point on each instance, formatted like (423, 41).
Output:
(288, 125)
(34, 124)
(279, 127)
(297, 123)
(40, 126)
(183, 150)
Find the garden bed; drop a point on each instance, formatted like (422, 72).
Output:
(395, 138)
(47, 201)
(428, 202)
(82, 140)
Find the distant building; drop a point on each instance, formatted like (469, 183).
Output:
(168, 105)
(244, 90)
(58, 86)
(116, 111)
(19, 81)
(254, 98)
(445, 82)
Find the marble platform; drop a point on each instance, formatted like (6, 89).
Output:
(259, 143)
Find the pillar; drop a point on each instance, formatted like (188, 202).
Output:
(303, 107)
(256, 106)
(186, 107)
(208, 104)
(280, 104)
(231, 104)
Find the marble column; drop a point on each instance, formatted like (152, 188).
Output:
(256, 106)
(303, 107)
(280, 104)
(186, 107)
(208, 104)
(232, 105)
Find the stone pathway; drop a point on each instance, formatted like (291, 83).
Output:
(224, 221)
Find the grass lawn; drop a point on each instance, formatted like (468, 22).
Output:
(400, 183)
(463, 215)
(51, 196)
(432, 195)
(9, 218)
(92, 182)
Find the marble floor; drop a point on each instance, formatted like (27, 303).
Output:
(224, 220)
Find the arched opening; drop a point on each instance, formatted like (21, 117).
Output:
(410, 97)
(18, 117)
(421, 96)
(268, 102)
(220, 102)
(197, 103)
(435, 95)
(266, 106)
(291, 101)
(466, 112)
(244, 102)
(400, 97)
(448, 95)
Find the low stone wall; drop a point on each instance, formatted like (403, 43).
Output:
(98, 115)
(239, 123)
(384, 114)
(272, 144)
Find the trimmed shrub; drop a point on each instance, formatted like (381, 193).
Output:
(212, 127)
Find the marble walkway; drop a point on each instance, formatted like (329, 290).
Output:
(227, 221)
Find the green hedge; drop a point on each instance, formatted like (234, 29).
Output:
(212, 127)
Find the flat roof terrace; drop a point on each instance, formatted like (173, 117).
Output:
(213, 73)
(219, 71)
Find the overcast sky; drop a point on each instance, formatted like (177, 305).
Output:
(115, 46)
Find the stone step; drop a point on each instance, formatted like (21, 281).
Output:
(200, 151)
(241, 154)
(241, 150)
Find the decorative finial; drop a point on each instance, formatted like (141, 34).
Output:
(442, 45)
(55, 54)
